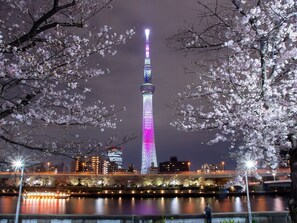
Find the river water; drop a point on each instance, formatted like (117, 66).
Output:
(142, 206)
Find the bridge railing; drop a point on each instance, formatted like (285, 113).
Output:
(258, 217)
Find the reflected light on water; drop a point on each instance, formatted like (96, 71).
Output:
(6, 203)
(237, 204)
(120, 202)
(190, 206)
(99, 206)
(162, 205)
(138, 206)
(80, 207)
(133, 202)
(174, 206)
(43, 205)
(202, 201)
(278, 204)
(260, 203)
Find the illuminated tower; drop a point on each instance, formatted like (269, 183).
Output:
(149, 158)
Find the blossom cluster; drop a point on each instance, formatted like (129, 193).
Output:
(45, 49)
(248, 95)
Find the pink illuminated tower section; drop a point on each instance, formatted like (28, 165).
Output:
(149, 158)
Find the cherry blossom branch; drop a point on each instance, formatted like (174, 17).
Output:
(34, 148)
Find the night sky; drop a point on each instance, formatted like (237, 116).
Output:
(121, 86)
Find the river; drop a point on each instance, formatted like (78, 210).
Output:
(142, 206)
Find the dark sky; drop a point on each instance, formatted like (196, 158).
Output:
(121, 87)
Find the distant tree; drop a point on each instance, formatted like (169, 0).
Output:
(45, 52)
(247, 83)
(131, 168)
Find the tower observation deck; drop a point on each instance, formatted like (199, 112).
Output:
(149, 158)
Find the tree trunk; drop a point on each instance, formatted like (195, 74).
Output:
(293, 165)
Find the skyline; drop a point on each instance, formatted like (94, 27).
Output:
(121, 86)
(117, 89)
(76, 80)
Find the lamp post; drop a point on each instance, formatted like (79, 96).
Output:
(18, 164)
(248, 165)
(48, 166)
(223, 165)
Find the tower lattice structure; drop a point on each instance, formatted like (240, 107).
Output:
(149, 157)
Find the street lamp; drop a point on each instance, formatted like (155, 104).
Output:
(223, 165)
(19, 165)
(248, 166)
(48, 166)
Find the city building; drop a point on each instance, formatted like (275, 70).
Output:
(57, 167)
(115, 154)
(149, 157)
(89, 164)
(174, 165)
(213, 167)
(39, 167)
(105, 164)
(112, 167)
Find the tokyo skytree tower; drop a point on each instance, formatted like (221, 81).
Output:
(149, 158)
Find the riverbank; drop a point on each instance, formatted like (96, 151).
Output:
(138, 192)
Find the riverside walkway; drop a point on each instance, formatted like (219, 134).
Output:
(258, 217)
(217, 174)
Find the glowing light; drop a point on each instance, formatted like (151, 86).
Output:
(147, 33)
(249, 164)
(18, 163)
(148, 141)
(149, 158)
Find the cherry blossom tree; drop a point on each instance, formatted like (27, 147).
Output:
(45, 52)
(247, 80)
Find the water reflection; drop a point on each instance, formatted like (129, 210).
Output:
(190, 207)
(99, 207)
(161, 205)
(259, 203)
(141, 206)
(6, 203)
(278, 204)
(174, 206)
(43, 205)
(237, 204)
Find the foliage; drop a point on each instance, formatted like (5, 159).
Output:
(228, 221)
(46, 49)
(248, 94)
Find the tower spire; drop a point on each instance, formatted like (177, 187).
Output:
(149, 158)
(147, 45)
(147, 61)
